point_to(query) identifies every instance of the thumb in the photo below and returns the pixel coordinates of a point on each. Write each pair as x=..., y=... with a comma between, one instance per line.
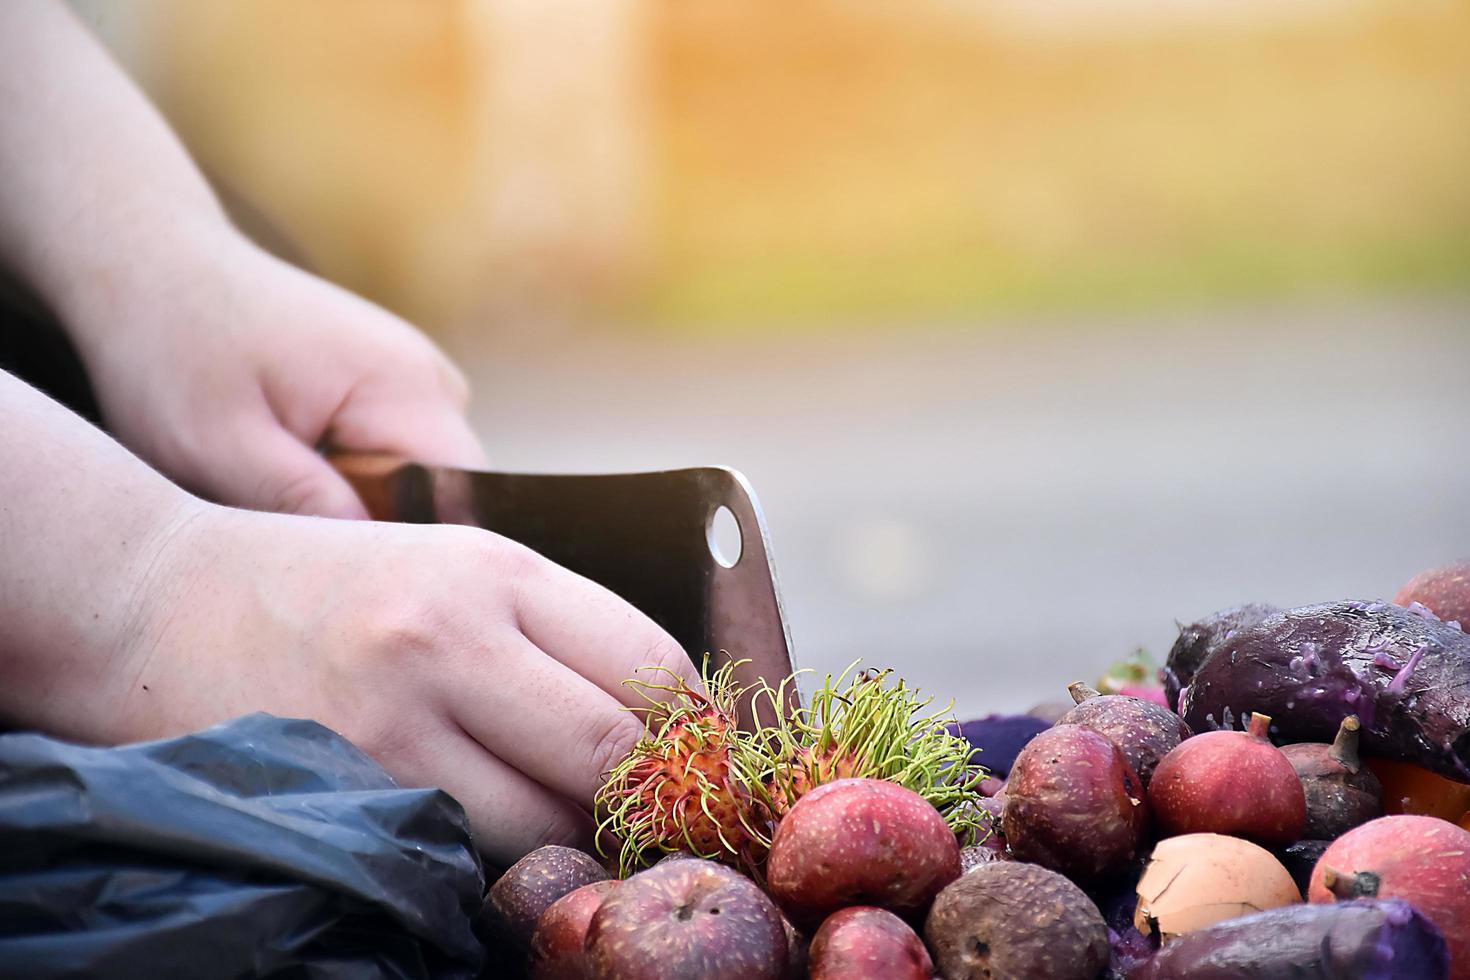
x=269, y=469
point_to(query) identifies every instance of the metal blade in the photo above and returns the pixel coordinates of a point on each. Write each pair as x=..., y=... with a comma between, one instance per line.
x=644, y=536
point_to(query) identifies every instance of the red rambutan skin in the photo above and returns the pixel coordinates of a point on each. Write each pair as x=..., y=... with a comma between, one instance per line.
x=687, y=798
x=1232, y=783
x=863, y=941
x=1424, y=860
x=860, y=842
x=810, y=768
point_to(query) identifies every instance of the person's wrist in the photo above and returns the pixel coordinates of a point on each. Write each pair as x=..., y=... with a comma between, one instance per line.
x=127, y=282
x=75, y=641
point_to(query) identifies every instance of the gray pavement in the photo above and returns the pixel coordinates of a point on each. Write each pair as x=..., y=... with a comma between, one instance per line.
x=997, y=509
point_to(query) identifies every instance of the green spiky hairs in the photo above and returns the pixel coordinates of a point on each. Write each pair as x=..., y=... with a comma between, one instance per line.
x=870, y=724
x=697, y=783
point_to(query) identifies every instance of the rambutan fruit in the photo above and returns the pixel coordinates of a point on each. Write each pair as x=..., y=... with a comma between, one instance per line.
x=698, y=784
x=684, y=786
x=806, y=768
x=867, y=724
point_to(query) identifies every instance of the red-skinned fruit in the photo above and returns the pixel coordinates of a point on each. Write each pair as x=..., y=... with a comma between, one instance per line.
x=1143, y=730
x=860, y=842
x=1424, y=860
x=691, y=918
x=558, y=946
x=1073, y=804
x=1232, y=783
x=1341, y=792
x=1443, y=591
x=528, y=888
x=1401, y=670
x=866, y=943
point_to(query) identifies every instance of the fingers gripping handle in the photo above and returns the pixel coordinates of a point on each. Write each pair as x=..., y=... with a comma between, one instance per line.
x=392, y=488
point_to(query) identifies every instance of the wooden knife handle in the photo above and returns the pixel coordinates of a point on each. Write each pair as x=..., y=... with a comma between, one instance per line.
x=391, y=487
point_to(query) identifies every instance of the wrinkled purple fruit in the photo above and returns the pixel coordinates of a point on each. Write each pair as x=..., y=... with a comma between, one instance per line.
x=1406, y=677
x=1198, y=640
x=1385, y=939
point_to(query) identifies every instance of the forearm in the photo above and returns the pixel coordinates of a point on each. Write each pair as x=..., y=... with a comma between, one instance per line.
x=95, y=186
x=84, y=526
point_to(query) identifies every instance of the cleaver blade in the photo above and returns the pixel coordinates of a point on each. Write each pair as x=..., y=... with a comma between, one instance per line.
x=644, y=536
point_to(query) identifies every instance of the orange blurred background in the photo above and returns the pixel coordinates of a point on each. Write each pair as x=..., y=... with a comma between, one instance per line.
x=729, y=164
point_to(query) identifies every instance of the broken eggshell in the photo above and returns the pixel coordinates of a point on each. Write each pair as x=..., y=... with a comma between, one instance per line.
x=1196, y=880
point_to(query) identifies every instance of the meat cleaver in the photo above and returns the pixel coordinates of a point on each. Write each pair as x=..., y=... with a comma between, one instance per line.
x=645, y=536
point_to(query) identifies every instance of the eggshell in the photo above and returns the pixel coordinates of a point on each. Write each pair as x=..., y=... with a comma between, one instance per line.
x=1196, y=880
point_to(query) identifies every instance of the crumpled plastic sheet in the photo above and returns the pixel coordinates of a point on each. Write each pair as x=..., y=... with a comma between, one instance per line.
x=263, y=847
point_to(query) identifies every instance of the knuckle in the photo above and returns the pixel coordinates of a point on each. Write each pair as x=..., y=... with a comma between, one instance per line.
x=604, y=740
x=296, y=495
x=407, y=630
x=518, y=570
x=427, y=367
x=453, y=383
x=489, y=553
x=390, y=747
x=562, y=828
x=665, y=653
x=512, y=559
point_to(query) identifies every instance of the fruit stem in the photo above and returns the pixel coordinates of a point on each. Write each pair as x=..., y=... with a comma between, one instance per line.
x=1260, y=725
x=1360, y=884
x=1345, y=745
x=1080, y=692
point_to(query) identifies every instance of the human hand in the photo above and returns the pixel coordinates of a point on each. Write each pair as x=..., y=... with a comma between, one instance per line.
x=220, y=365
x=453, y=656
x=132, y=610
x=456, y=658
x=227, y=368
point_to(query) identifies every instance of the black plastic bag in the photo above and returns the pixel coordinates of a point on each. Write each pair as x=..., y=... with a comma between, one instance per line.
x=261, y=847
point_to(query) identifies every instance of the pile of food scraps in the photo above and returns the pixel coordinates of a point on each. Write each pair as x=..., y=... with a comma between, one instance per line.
x=1287, y=797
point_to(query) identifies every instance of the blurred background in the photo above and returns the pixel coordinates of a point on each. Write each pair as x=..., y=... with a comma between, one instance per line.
x=1037, y=326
